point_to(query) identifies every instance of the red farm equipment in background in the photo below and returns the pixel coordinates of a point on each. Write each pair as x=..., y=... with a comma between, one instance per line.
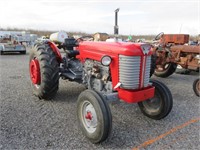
x=170, y=51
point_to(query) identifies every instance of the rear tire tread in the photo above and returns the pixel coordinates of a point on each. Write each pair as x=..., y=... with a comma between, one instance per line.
x=49, y=71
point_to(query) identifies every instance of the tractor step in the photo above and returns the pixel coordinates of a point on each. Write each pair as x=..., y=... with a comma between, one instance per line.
x=72, y=75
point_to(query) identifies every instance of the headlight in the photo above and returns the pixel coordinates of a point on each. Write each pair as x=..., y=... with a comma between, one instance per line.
x=106, y=60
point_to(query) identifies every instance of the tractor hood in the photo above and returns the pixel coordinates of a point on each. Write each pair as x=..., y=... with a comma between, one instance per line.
x=115, y=48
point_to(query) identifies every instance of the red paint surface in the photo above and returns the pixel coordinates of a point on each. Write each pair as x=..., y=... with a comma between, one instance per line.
x=134, y=96
x=35, y=71
x=96, y=50
x=88, y=116
x=56, y=51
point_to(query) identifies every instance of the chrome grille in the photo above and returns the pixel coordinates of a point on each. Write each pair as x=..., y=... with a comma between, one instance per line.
x=129, y=71
x=147, y=71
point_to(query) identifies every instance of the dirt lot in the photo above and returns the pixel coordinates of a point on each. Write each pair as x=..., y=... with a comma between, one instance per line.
x=29, y=123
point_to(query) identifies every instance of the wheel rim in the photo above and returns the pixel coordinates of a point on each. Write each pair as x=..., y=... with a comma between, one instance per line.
x=153, y=105
x=89, y=117
x=162, y=68
x=35, y=71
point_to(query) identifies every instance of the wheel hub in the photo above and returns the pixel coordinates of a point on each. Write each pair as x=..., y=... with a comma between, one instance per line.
x=35, y=71
x=89, y=117
x=153, y=105
x=162, y=67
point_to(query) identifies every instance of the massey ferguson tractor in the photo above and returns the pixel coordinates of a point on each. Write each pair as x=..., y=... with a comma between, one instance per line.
x=110, y=71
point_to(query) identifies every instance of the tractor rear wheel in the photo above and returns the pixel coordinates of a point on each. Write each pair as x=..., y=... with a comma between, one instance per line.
x=165, y=70
x=160, y=105
x=196, y=87
x=44, y=71
x=94, y=116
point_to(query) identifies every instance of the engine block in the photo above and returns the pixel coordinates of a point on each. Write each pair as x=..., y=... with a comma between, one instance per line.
x=96, y=76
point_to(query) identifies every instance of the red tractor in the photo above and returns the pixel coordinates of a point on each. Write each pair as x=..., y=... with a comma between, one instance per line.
x=109, y=70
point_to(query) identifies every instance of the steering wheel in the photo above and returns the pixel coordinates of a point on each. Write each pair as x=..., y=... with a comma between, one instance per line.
x=159, y=36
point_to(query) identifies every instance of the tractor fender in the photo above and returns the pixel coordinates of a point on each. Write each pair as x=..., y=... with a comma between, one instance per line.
x=56, y=51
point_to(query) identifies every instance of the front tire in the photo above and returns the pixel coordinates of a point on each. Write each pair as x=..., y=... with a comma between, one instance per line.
x=44, y=71
x=196, y=87
x=160, y=105
x=94, y=116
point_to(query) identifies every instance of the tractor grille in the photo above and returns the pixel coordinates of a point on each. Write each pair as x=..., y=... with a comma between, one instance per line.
x=147, y=71
x=129, y=71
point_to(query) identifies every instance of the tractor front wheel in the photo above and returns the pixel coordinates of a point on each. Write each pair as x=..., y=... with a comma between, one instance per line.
x=196, y=87
x=44, y=71
x=94, y=116
x=160, y=105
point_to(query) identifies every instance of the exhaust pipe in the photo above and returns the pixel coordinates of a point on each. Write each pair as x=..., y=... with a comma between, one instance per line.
x=116, y=28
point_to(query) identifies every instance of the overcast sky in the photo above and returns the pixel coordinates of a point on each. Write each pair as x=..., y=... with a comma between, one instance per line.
x=135, y=16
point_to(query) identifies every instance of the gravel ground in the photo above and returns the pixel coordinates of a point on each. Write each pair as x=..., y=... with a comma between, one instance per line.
x=29, y=123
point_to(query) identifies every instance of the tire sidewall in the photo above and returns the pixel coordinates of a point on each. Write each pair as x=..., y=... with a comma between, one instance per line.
x=195, y=87
x=166, y=101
